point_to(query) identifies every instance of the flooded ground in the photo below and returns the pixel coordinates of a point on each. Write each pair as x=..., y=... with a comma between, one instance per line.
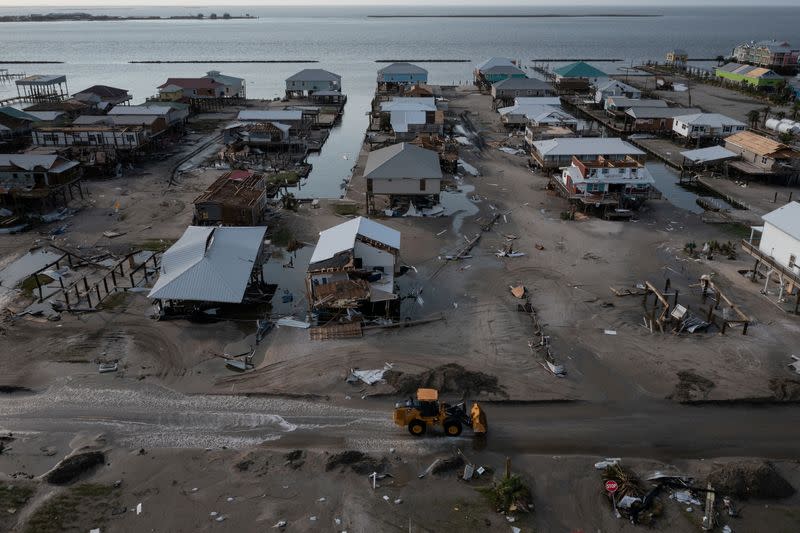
x=667, y=182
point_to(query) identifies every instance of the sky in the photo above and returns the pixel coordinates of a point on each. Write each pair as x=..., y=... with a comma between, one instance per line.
x=220, y=4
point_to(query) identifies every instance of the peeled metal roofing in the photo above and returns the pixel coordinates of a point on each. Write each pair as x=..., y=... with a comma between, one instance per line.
x=314, y=74
x=714, y=120
x=708, y=155
x=786, y=219
x=209, y=264
x=342, y=238
x=403, y=160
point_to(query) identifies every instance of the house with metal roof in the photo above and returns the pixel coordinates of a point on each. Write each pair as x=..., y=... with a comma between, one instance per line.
x=654, y=119
x=617, y=105
x=15, y=125
x=174, y=113
x=215, y=264
x=761, y=155
x=233, y=87
x=353, y=267
x=700, y=125
x=36, y=177
x=741, y=74
x=614, y=88
x=511, y=88
x=311, y=80
x=554, y=153
x=409, y=116
x=776, y=249
x=520, y=115
x=402, y=171
x=292, y=117
x=402, y=74
x=496, y=69
x=580, y=70
x=707, y=156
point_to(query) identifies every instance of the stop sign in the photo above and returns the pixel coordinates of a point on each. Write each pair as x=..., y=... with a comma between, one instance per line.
x=611, y=485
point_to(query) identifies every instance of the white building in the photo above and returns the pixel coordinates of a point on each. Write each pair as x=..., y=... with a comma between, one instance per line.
x=410, y=115
x=614, y=88
x=292, y=117
x=780, y=236
x=173, y=113
x=536, y=115
x=706, y=125
x=607, y=179
x=353, y=264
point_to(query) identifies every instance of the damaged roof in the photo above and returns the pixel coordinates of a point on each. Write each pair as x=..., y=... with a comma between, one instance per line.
x=209, y=264
x=342, y=238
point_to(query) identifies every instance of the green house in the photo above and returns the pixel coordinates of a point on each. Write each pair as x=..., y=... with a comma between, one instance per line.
x=502, y=72
x=758, y=77
x=580, y=69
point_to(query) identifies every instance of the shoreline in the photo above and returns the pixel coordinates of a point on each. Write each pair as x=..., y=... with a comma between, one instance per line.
x=519, y=16
x=85, y=17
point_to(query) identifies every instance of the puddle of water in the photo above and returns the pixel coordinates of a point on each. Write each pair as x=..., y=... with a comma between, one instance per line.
x=458, y=205
x=667, y=182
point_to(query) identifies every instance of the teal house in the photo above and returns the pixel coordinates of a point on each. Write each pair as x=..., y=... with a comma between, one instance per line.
x=497, y=69
x=580, y=70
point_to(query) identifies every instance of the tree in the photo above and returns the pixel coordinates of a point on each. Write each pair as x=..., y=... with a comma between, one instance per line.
x=212, y=16
x=200, y=15
x=780, y=115
x=720, y=60
x=766, y=115
x=752, y=117
x=226, y=15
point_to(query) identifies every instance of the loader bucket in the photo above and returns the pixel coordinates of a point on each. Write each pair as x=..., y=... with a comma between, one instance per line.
x=479, y=424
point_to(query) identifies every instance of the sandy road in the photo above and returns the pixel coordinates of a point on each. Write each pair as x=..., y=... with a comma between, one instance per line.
x=156, y=417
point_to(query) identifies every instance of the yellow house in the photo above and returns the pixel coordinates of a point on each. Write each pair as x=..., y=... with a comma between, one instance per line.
x=677, y=56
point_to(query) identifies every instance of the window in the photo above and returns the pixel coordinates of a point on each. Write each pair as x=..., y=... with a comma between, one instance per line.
x=421, y=185
x=764, y=160
x=792, y=260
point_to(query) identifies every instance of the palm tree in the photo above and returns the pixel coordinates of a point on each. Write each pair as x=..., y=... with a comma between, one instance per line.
x=780, y=115
x=720, y=60
x=795, y=110
x=752, y=117
x=766, y=115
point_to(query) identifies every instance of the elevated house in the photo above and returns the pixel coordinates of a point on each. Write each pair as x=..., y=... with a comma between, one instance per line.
x=43, y=87
x=776, y=248
x=212, y=265
x=521, y=115
x=496, y=69
x=237, y=198
x=153, y=125
x=174, y=114
x=29, y=180
x=295, y=118
x=654, y=119
x=555, y=153
x=401, y=74
x=15, y=126
x=187, y=89
x=748, y=75
x=271, y=137
x=605, y=182
x=53, y=110
x=706, y=125
x=353, y=269
x=405, y=174
x=677, y=57
x=507, y=90
x=616, y=106
x=771, y=54
x=409, y=116
x=310, y=80
x=103, y=97
x=578, y=77
x=610, y=88
x=762, y=156
x=232, y=87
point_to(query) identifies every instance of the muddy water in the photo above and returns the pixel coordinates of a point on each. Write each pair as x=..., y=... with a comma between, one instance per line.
x=667, y=182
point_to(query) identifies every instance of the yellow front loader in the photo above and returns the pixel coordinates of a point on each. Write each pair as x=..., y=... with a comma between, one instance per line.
x=426, y=411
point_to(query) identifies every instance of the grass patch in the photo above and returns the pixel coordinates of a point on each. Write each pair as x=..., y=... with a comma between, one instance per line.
x=155, y=245
x=740, y=231
x=345, y=209
x=288, y=177
x=84, y=505
x=12, y=499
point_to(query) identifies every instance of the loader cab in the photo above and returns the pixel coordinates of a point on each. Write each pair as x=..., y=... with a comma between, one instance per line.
x=427, y=402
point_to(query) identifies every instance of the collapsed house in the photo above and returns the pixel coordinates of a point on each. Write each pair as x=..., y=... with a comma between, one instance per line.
x=211, y=265
x=410, y=176
x=237, y=198
x=103, y=97
x=15, y=126
x=352, y=272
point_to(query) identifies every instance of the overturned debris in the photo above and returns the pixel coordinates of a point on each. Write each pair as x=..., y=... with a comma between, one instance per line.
x=73, y=467
x=750, y=479
x=449, y=378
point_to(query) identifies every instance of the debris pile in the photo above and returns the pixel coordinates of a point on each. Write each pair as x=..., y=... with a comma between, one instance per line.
x=449, y=378
x=750, y=479
x=691, y=387
x=359, y=462
x=508, y=495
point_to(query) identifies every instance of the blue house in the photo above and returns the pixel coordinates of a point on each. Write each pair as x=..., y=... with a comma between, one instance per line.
x=403, y=74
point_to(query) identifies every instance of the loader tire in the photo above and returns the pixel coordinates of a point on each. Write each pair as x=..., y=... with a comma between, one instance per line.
x=416, y=427
x=452, y=428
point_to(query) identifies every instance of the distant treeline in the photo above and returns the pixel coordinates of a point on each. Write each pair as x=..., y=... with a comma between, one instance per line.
x=423, y=60
x=155, y=61
x=55, y=17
